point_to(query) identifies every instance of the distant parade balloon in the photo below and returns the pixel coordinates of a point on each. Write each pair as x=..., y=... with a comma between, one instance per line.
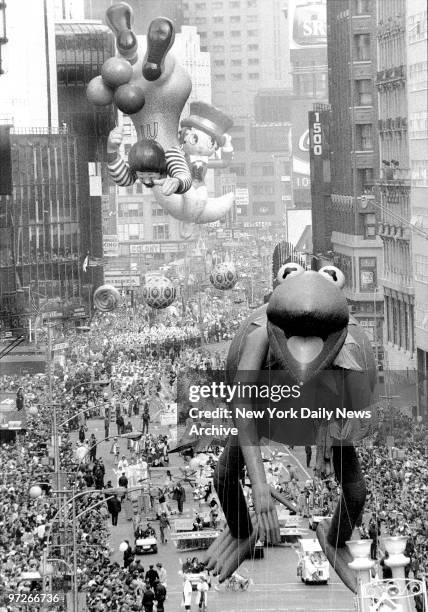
x=129, y=98
x=224, y=276
x=98, y=92
x=106, y=298
x=159, y=292
x=116, y=71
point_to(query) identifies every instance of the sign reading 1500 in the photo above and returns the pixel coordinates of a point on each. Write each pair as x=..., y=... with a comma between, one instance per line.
x=317, y=137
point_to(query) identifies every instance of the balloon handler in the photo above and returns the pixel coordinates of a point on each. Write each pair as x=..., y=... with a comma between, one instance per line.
x=305, y=334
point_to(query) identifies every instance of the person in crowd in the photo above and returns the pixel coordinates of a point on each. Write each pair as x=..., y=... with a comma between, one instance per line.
x=152, y=576
x=187, y=593
x=164, y=525
x=202, y=598
x=115, y=508
x=160, y=595
x=179, y=495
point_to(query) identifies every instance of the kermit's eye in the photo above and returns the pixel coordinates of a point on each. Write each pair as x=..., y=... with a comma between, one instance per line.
x=334, y=275
x=288, y=270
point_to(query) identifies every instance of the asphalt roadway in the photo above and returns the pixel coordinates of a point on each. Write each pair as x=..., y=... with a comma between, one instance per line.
x=275, y=586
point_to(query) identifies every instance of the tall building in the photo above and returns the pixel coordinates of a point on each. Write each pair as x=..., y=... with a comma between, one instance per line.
x=42, y=219
x=417, y=96
x=395, y=185
x=346, y=133
x=307, y=27
x=248, y=44
x=82, y=48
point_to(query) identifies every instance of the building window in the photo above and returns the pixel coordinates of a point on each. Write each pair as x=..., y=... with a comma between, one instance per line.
x=264, y=208
x=419, y=170
x=235, y=33
x=362, y=47
x=220, y=77
x=160, y=231
x=200, y=6
x=235, y=19
x=253, y=76
x=362, y=7
x=418, y=76
x=267, y=170
x=218, y=49
x=218, y=63
x=236, y=62
x=418, y=123
x=252, y=33
x=158, y=211
x=239, y=170
x=203, y=34
x=364, y=135
x=421, y=268
x=417, y=27
x=236, y=48
x=368, y=280
x=370, y=226
x=264, y=189
x=218, y=34
x=253, y=61
x=217, y=6
x=130, y=231
x=253, y=47
x=235, y=4
x=252, y=18
x=236, y=76
x=239, y=144
x=218, y=19
x=200, y=20
x=252, y=3
x=364, y=89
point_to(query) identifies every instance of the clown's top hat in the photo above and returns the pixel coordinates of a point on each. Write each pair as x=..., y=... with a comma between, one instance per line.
x=209, y=119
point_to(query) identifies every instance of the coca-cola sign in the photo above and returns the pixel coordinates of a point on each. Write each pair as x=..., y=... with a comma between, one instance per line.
x=307, y=23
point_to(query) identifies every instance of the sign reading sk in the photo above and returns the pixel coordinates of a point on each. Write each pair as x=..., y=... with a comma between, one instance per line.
x=307, y=23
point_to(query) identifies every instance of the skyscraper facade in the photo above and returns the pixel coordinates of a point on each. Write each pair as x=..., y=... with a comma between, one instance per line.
x=44, y=217
x=417, y=96
x=248, y=44
x=395, y=186
x=347, y=131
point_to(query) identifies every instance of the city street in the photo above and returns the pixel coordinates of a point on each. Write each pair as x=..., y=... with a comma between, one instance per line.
x=275, y=587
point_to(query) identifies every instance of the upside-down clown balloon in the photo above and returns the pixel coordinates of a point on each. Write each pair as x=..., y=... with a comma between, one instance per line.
x=147, y=82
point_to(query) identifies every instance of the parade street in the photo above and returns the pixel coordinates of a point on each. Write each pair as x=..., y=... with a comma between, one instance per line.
x=275, y=587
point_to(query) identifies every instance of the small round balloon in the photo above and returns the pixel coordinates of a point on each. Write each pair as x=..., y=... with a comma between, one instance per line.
x=224, y=276
x=129, y=98
x=106, y=298
x=98, y=92
x=159, y=292
x=116, y=71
